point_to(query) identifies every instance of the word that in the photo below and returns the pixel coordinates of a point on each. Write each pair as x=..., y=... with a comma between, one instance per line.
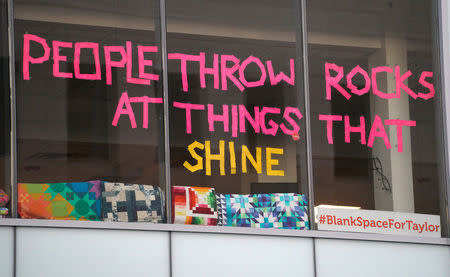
x=377, y=129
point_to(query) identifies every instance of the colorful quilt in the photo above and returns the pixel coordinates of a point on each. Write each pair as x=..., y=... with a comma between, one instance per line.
x=73, y=201
x=276, y=210
x=3, y=211
x=132, y=202
x=194, y=205
x=4, y=198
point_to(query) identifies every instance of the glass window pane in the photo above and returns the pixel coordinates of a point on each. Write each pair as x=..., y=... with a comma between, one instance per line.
x=89, y=100
x=5, y=180
x=375, y=115
x=236, y=110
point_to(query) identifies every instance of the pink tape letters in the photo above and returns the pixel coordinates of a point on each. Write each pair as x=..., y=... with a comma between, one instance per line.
x=335, y=82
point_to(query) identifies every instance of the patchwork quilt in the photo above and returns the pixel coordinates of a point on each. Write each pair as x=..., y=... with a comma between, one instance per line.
x=72, y=201
x=276, y=210
x=3, y=211
x=194, y=205
x=132, y=202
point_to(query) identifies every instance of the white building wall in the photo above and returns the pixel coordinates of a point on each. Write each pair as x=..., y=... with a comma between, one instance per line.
x=6, y=251
x=367, y=258
x=224, y=255
x=54, y=252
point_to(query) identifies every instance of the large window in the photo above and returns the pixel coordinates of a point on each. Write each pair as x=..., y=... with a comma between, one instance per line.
x=88, y=106
x=374, y=108
x=235, y=90
x=5, y=154
x=235, y=125
x=391, y=44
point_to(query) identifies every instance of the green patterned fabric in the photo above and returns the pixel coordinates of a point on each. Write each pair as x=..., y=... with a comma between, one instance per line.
x=76, y=201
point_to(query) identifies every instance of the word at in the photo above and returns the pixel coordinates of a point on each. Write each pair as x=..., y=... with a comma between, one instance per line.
x=126, y=101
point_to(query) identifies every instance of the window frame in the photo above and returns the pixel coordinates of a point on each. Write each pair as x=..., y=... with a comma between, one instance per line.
x=441, y=11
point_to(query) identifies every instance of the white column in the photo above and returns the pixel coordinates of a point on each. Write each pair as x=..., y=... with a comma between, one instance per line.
x=397, y=167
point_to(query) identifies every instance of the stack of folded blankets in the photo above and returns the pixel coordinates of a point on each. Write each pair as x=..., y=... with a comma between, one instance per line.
x=194, y=205
x=201, y=205
x=4, y=199
x=3, y=212
x=109, y=201
x=131, y=203
x=91, y=200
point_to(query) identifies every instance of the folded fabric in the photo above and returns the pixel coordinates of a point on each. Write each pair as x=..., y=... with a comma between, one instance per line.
x=73, y=201
x=132, y=202
x=4, y=199
x=194, y=205
x=3, y=211
x=277, y=210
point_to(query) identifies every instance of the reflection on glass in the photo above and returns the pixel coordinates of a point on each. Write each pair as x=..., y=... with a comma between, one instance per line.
x=5, y=180
x=372, y=68
x=236, y=115
x=89, y=109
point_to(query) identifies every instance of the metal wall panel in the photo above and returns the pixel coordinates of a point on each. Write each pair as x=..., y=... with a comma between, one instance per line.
x=7, y=251
x=240, y=255
x=362, y=258
x=53, y=252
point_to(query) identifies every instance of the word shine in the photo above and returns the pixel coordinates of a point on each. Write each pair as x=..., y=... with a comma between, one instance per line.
x=255, y=160
x=224, y=68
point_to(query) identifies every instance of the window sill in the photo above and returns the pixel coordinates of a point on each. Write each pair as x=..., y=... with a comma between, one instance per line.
x=219, y=230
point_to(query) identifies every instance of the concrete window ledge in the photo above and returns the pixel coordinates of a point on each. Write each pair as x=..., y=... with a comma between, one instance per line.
x=218, y=230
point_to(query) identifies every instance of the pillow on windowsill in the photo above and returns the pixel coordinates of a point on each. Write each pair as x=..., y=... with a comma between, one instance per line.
x=132, y=203
x=67, y=201
x=194, y=205
x=274, y=210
